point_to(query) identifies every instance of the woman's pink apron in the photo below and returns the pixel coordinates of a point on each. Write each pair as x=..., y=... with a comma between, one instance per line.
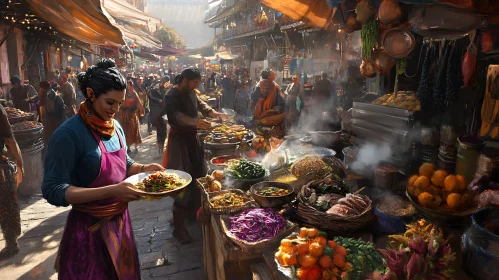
x=98, y=240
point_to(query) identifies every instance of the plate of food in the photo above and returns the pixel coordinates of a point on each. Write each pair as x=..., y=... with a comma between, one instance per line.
x=157, y=184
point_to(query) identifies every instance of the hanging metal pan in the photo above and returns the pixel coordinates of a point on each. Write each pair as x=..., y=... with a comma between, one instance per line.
x=398, y=42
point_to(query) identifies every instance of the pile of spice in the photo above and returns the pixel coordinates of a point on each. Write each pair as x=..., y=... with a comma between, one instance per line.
x=395, y=205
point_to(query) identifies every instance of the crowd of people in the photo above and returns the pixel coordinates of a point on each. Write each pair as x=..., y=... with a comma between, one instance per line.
x=88, y=148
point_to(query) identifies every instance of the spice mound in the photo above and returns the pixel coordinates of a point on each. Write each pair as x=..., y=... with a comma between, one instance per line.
x=254, y=225
x=227, y=200
x=26, y=125
x=273, y=191
x=310, y=164
x=160, y=182
x=395, y=205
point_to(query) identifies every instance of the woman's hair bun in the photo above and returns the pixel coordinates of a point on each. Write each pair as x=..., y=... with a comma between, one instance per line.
x=106, y=63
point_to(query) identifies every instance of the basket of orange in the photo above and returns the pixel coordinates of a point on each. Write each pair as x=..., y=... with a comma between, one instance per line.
x=308, y=254
x=439, y=196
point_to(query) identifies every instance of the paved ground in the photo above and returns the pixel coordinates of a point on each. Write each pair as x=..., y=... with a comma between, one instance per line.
x=162, y=257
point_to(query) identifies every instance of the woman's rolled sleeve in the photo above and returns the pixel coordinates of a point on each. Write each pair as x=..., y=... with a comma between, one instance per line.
x=60, y=160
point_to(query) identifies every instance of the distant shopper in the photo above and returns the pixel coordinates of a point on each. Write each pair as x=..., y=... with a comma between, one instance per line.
x=128, y=117
x=294, y=93
x=22, y=96
x=68, y=93
x=268, y=104
x=10, y=220
x=54, y=110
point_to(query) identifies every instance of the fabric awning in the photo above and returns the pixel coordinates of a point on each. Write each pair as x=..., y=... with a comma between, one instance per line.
x=166, y=51
x=230, y=10
x=222, y=55
x=311, y=12
x=138, y=36
x=148, y=56
x=123, y=10
x=84, y=20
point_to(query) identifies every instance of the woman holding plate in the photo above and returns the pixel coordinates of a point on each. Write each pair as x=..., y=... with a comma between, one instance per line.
x=85, y=166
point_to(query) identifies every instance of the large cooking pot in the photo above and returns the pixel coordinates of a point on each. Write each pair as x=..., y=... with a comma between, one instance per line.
x=480, y=246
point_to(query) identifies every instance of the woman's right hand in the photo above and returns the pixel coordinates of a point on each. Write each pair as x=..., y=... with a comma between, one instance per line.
x=126, y=192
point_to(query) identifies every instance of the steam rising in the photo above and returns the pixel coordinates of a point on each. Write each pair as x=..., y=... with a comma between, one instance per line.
x=316, y=118
x=369, y=156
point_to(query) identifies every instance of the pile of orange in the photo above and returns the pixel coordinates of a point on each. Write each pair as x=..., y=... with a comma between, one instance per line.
x=313, y=256
x=437, y=189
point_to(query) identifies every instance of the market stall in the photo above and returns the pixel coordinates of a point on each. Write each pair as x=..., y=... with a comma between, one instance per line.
x=407, y=190
x=28, y=134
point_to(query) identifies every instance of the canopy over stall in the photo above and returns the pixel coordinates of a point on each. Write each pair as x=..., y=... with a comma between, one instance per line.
x=312, y=13
x=84, y=20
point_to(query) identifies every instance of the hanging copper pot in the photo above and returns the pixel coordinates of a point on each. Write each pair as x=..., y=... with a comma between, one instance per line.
x=367, y=69
x=352, y=25
x=383, y=61
x=365, y=11
x=390, y=12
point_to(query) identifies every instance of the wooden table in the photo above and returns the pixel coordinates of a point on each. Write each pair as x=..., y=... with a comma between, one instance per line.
x=222, y=259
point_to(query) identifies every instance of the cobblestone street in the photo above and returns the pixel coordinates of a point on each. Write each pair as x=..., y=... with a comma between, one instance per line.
x=161, y=256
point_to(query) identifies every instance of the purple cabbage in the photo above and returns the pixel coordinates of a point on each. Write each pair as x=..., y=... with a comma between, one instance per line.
x=257, y=224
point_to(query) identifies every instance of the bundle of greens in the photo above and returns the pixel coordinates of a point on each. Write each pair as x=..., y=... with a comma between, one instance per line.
x=363, y=257
x=245, y=169
x=369, y=37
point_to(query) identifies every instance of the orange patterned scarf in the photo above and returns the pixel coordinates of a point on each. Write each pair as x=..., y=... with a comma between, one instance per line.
x=103, y=128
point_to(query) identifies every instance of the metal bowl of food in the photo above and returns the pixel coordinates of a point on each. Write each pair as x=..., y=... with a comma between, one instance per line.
x=229, y=112
x=153, y=184
x=272, y=194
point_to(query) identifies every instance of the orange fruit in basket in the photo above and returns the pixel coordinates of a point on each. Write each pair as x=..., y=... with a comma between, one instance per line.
x=413, y=190
x=453, y=200
x=426, y=199
x=451, y=184
x=413, y=179
x=422, y=182
x=427, y=169
x=439, y=177
x=461, y=182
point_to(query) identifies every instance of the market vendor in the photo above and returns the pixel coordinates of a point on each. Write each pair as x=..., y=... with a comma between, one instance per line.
x=183, y=151
x=11, y=173
x=85, y=166
x=22, y=96
x=268, y=104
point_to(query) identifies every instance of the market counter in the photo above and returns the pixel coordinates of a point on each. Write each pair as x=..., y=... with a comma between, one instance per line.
x=222, y=259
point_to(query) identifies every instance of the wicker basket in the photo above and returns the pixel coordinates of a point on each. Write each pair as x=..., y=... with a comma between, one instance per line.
x=256, y=247
x=249, y=202
x=444, y=218
x=333, y=224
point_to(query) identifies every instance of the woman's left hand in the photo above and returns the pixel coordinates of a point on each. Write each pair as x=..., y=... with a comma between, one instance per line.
x=153, y=167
